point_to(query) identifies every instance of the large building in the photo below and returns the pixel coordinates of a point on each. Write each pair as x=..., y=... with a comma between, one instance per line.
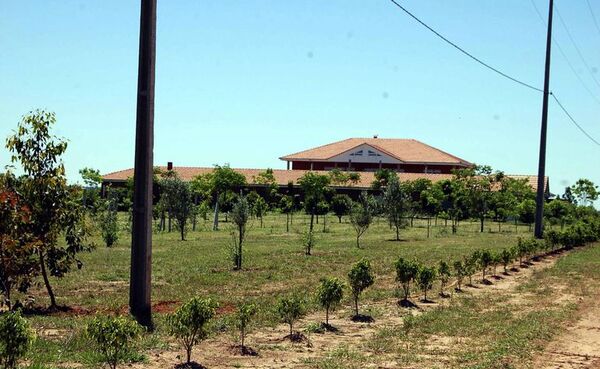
x=410, y=158
x=371, y=154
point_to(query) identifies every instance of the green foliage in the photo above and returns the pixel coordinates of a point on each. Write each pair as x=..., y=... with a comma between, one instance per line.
x=113, y=337
x=396, y=204
x=406, y=272
x=309, y=241
x=485, y=261
x=506, y=257
x=585, y=191
x=341, y=205
x=289, y=309
x=360, y=278
x=16, y=338
x=55, y=208
x=329, y=294
x=315, y=188
x=460, y=272
x=425, y=279
x=343, y=178
x=382, y=178
x=444, y=274
x=361, y=215
x=176, y=199
x=188, y=323
x=109, y=227
x=259, y=208
x=243, y=317
x=240, y=213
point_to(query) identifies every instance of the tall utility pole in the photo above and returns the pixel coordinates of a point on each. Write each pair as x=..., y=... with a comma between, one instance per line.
x=541, y=184
x=141, y=237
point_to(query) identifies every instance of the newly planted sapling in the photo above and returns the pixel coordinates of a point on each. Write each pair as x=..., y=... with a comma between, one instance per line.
x=243, y=318
x=406, y=272
x=188, y=323
x=460, y=272
x=360, y=277
x=485, y=260
x=329, y=295
x=425, y=279
x=444, y=273
x=289, y=309
x=506, y=256
x=113, y=338
x=16, y=338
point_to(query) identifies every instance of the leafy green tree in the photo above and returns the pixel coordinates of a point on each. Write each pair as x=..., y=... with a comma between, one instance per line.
x=91, y=192
x=55, y=207
x=454, y=203
x=18, y=266
x=506, y=256
x=341, y=204
x=16, y=338
x=406, y=272
x=569, y=197
x=444, y=274
x=289, y=309
x=218, y=185
x=485, y=261
x=425, y=279
x=343, y=178
x=329, y=295
x=113, y=338
x=315, y=188
x=396, y=204
x=260, y=208
x=322, y=209
x=558, y=211
x=382, y=178
x=309, y=242
x=361, y=215
x=239, y=216
x=471, y=263
x=243, y=317
x=479, y=183
x=177, y=199
x=414, y=192
x=188, y=323
x=526, y=211
x=360, y=277
x=267, y=179
x=585, y=191
x=286, y=204
x=109, y=225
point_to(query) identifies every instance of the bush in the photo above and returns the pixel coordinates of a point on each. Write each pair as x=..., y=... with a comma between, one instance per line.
x=506, y=257
x=444, y=275
x=425, y=279
x=460, y=272
x=470, y=265
x=289, y=309
x=243, y=316
x=113, y=337
x=329, y=294
x=15, y=338
x=485, y=260
x=406, y=271
x=361, y=278
x=109, y=227
x=309, y=241
x=188, y=323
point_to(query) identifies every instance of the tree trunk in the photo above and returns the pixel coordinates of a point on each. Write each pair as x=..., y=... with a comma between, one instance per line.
x=356, y=305
x=358, y=241
x=169, y=223
x=188, y=352
x=428, y=226
x=287, y=223
x=340, y=218
x=327, y=315
x=312, y=217
x=324, y=222
x=47, y=281
x=397, y=233
x=182, y=229
x=240, y=241
x=216, y=215
x=481, y=220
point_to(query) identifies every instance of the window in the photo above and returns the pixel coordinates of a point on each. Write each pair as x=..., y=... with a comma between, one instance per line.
x=357, y=153
x=373, y=153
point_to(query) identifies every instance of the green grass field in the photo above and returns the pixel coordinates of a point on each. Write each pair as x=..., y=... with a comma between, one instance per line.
x=274, y=264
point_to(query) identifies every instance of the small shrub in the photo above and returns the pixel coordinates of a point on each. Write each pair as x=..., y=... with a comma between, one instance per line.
x=309, y=241
x=16, y=338
x=329, y=294
x=470, y=264
x=406, y=271
x=425, y=279
x=506, y=257
x=113, y=337
x=485, y=261
x=289, y=309
x=109, y=227
x=460, y=272
x=361, y=278
x=444, y=273
x=243, y=317
x=188, y=323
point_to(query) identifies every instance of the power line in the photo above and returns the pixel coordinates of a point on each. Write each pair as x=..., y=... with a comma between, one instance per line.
x=576, y=47
x=562, y=52
x=464, y=51
x=593, y=16
x=573, y=120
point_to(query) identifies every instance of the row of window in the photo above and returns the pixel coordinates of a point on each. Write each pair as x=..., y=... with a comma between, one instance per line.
x=361, y=152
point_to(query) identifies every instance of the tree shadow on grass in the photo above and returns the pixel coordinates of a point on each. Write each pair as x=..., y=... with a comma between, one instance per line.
x=56, y=310
x=427, y=301
x=192, y=365
x=514, y=270
x=487, y=282
x=405, y=303
x=329, y=328
x=497, y=277
x=243, y=350
x=360, y=318
x=296, y=337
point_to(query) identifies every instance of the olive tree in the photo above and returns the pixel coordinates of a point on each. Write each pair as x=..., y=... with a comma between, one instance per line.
x=425, y=279
x=341, y=204
x=243, y=316
x=396, y=204
x=360, y=278
x=444, y=274
x=460, y=272
x=329, y=295
x=315, y=188
x=177, y=199
x=188, y=323
x=289, y=309
x=239, y=216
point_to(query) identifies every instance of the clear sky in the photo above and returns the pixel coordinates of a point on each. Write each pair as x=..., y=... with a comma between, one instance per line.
x=245, y=82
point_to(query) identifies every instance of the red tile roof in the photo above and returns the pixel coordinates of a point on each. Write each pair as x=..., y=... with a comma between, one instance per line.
x=405, y=150
x=283, y=177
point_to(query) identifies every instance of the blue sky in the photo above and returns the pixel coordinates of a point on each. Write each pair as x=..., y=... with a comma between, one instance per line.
x=245, y=82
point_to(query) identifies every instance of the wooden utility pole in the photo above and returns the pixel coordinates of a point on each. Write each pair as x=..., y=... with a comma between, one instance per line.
x=541, y=183
x=141, y=237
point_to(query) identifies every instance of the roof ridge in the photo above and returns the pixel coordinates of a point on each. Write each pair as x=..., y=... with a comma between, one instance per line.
x=321, y=146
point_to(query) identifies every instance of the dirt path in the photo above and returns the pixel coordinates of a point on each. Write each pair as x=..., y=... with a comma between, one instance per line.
x=275, y=352
x=579, y=346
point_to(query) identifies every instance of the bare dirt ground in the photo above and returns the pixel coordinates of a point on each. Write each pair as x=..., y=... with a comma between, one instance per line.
x=578, y=347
